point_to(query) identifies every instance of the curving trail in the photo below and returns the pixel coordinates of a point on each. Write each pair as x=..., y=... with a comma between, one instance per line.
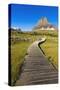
x=36, y=68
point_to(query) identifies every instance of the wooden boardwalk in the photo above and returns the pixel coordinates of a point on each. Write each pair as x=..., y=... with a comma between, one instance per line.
x=36, y=68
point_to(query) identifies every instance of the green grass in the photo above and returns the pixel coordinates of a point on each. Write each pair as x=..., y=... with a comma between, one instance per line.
x=50, y=48
x=19, y=49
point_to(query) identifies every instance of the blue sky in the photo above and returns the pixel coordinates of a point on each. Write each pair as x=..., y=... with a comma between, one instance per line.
x=27, y=16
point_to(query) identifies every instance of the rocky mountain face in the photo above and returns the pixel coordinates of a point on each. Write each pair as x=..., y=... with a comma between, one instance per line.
x=43, y=24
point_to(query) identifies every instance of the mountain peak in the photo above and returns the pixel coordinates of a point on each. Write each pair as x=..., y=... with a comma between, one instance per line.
x=44, y=24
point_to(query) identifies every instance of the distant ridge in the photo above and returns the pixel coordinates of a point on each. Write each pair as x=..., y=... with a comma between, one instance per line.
x=15, y=29
x=44, y=24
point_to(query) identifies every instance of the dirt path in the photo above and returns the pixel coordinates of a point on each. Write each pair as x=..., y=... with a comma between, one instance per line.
x=36, y=68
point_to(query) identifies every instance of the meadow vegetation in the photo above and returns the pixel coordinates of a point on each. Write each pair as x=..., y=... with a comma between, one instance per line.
x=20, y=41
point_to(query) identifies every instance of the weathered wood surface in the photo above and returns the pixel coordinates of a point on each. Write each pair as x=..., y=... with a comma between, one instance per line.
x=36, y=68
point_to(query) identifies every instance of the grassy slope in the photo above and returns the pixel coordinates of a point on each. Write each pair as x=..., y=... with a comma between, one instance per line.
x=18, y=51
x=50, y=47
